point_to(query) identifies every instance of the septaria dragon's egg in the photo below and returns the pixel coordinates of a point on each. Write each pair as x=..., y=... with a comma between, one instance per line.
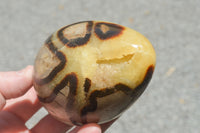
x=92, y=71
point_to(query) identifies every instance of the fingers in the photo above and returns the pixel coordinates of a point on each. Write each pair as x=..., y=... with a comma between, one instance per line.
x=93, y=128
x=9, y=123
x=105, y=126
x=24, y=107
x=15, y=84
x=50, y=125
x=88, y=128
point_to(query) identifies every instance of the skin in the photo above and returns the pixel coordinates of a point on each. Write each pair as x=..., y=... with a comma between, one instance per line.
x=18, y=102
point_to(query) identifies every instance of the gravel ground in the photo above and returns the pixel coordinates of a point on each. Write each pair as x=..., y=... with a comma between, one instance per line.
x=171, y=103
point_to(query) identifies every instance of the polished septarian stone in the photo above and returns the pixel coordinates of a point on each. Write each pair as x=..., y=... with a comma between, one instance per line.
x=92, y=71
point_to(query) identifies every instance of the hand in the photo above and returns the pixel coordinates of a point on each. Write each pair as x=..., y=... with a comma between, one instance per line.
x=18, y=102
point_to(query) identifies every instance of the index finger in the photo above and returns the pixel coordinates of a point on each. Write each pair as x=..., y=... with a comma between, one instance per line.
x=14, y=84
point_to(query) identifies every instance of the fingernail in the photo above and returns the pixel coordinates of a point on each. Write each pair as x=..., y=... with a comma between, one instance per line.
x=93, y=129
x=20, y=72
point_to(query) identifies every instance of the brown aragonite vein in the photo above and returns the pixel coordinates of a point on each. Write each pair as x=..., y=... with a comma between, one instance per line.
x=58, y=68
x=70, y=79
x=134, y=93
x=106, y=31
x=79, y=41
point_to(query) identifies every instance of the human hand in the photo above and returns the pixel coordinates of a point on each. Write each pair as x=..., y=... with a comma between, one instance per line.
x=18, y=102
